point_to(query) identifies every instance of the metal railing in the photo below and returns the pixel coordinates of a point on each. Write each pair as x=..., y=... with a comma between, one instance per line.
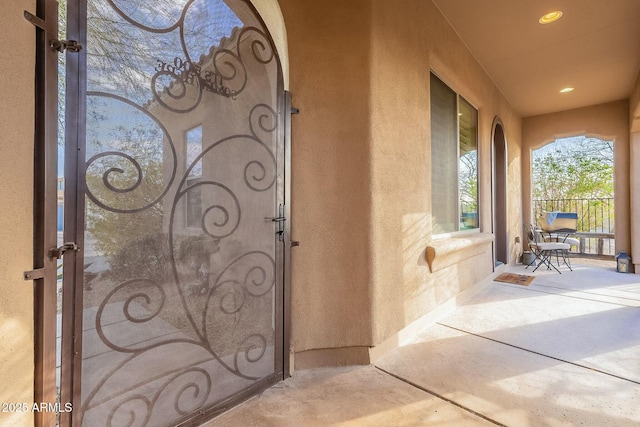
x=595, y=229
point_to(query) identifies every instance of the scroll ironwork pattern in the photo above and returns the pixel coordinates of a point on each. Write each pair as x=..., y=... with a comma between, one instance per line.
x=129, y=390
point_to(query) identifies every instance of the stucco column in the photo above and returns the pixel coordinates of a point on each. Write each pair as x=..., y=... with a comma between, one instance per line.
x=16, y=222
x=526, y=186
x=634, y=182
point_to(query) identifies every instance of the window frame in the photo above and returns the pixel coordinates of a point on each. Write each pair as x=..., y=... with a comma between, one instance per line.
x=458, y=211
x=193, y=179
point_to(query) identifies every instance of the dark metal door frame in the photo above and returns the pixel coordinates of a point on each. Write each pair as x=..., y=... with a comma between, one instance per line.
x=75, y=131
x=73, y=263
x=45, y=207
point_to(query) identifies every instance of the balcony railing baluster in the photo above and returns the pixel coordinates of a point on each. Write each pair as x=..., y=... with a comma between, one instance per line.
x=594, y=223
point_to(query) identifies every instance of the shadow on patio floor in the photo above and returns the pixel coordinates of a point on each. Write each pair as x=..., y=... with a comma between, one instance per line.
x=563, y=351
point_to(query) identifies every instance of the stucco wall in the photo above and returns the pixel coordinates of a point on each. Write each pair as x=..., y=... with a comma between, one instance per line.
x=359, y=72
x=634, y=172
x=16, y=194
x=608, y=121
x=408, y=41
x=331, y=197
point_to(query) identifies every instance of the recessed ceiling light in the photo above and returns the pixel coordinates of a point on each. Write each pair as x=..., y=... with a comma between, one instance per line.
x=567, y=90
x=550, y=17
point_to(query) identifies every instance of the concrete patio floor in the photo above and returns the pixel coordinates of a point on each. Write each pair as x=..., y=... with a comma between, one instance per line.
x=563, y=351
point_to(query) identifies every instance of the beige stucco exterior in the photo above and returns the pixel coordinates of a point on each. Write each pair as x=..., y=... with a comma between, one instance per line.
x=634, y=172
x=361, y=204
x=407, y=43
x=329, y=45
x=16, y=175
x=361, y=167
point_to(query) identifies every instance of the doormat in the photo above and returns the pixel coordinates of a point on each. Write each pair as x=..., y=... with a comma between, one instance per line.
x=516, y=279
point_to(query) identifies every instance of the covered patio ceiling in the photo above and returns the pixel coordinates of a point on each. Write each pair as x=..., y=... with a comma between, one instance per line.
x=594, y=47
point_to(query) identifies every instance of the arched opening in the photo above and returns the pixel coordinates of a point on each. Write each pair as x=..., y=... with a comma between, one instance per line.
x=499, y=193
x=576, y=174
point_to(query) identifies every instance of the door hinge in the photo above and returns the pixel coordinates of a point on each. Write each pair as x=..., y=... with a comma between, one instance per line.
x=59, y=45
x=37, y=21
x=34, y=274
x=62, y=45
x=56, y=253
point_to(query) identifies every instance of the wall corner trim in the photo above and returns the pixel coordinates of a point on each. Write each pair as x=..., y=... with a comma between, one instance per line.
x=446, y=252
x=332, y=357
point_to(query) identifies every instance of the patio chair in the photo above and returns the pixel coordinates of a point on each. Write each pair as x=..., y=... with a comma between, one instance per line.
x=558, y=227
x=544, y=250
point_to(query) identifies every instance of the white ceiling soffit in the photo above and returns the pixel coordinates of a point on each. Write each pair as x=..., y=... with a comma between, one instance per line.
x=594, y=47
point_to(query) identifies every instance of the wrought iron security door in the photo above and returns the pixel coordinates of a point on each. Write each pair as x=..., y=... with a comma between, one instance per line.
x=178, y=285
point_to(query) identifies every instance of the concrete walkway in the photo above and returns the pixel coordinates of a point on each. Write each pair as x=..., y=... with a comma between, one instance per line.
x=563, y=351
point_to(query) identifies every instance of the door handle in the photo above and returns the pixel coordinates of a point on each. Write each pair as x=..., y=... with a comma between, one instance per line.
x=56, y=253
x=280, y=219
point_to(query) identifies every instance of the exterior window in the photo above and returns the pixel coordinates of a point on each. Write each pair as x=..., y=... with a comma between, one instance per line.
x=454, y=160
x=194, y=149
x=193, y=144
